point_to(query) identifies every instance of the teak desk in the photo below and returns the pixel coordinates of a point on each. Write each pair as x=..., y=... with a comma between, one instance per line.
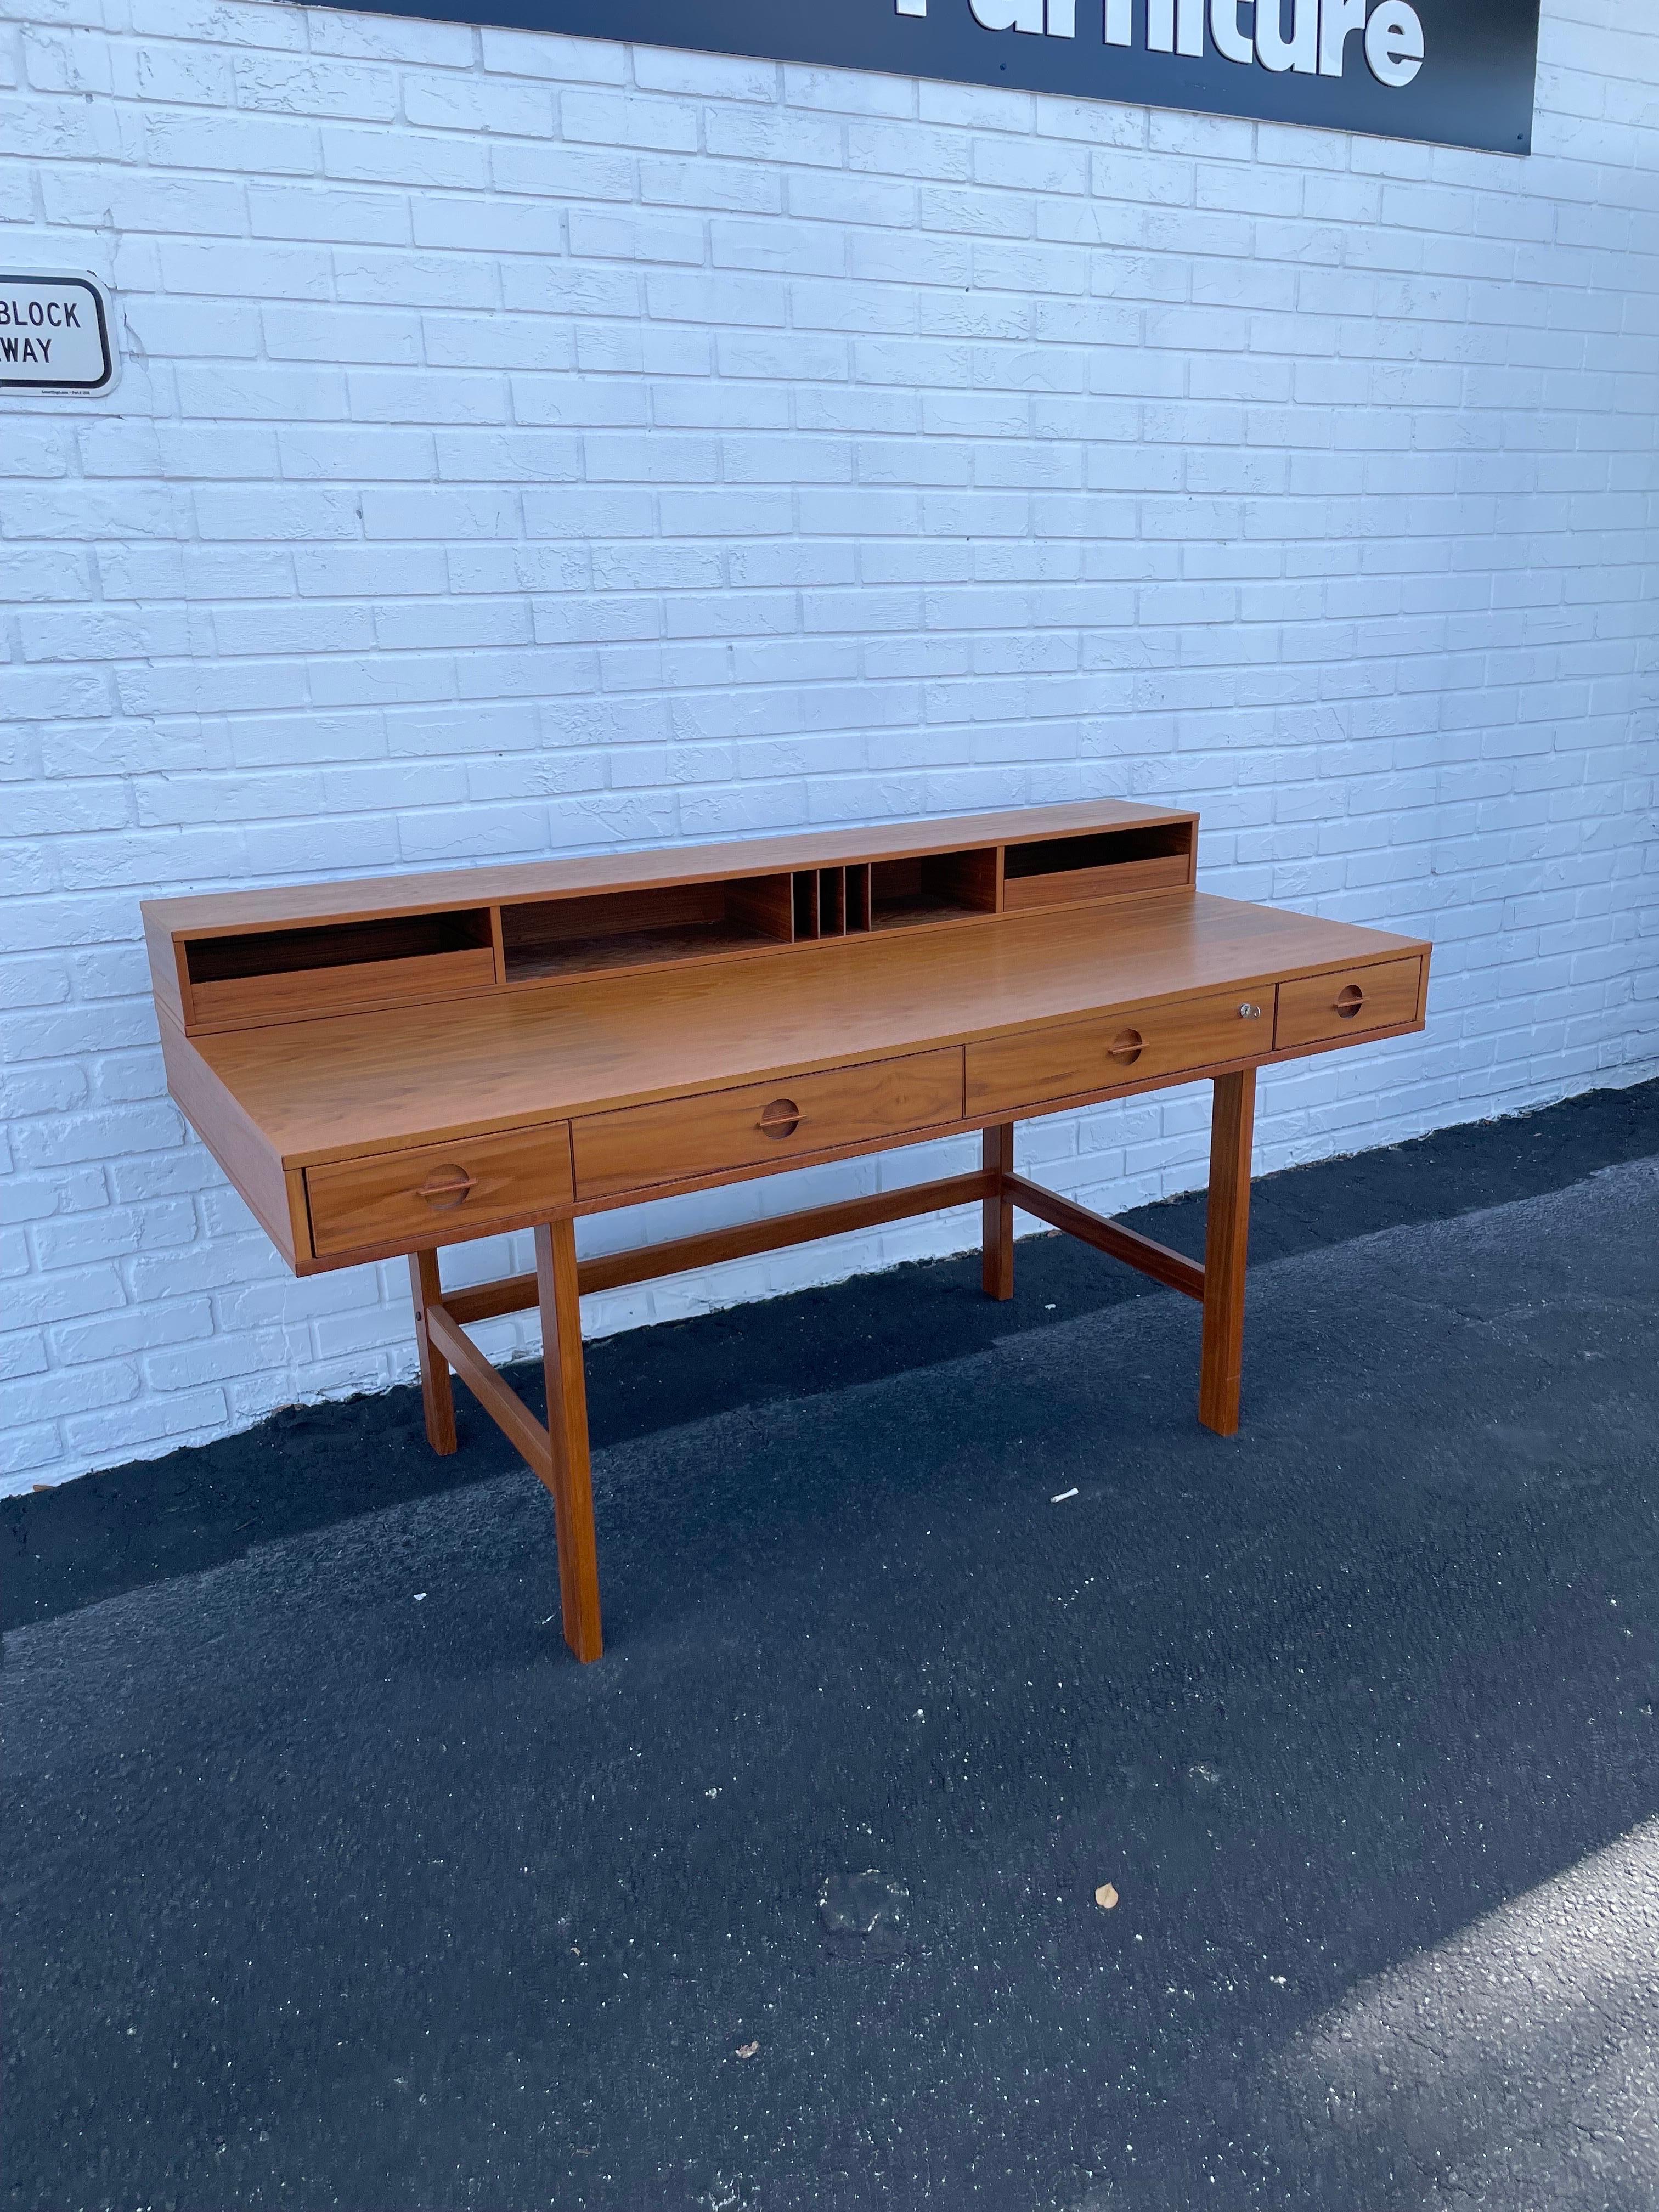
x=396, y=1065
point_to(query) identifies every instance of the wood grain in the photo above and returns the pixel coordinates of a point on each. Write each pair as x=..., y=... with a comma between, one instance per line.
x=373, y=1082
x=496, y=1395
x=437, y=1399
x=1226, y=1241
x=1347, y=1003
x=768, y=1123
x=168, y=978
x=438, y=1193
x=313, y=993
x=567, y=1419
x=997, y=1219
x=1153, y=1259
x=1037, y=1067
x=1070, y=886
x=610, y=1270
x=236, y=1140
x=282, y=906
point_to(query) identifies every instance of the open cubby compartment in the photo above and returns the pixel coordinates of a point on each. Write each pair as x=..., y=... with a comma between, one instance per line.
x=932, y=887
x=336, y=968
x=647, y=928
x=1106, y=864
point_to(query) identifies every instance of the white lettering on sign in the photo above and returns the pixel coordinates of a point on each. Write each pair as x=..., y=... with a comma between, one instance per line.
x=54, y=333
x=1394, y=42
x=1392, y=34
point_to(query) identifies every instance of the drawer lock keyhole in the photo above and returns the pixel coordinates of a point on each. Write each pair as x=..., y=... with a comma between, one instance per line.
x=447, y=1187
x=1125, y=1047
x=780, y=1119
x=1349, y=1000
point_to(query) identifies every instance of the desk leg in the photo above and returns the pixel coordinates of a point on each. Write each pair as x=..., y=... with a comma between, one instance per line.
x=997, y=1270
x=1232, y=1126
x=567, y=1429
x=435, y=1393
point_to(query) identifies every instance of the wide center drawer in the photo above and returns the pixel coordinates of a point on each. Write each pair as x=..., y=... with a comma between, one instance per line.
x=439, y=1193
x=1077, y=1057
x=764, y=1123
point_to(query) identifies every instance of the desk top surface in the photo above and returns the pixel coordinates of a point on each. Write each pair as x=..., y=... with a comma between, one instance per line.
x=337, y=1088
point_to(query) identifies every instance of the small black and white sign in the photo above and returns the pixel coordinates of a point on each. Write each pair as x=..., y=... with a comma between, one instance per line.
x=1460, y=72
x=54, y=333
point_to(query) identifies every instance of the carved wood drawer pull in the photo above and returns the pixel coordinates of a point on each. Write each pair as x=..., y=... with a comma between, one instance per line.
x=780, y=1119
x=1127, y=1046
x=447, y=1187
x=1349, y=1000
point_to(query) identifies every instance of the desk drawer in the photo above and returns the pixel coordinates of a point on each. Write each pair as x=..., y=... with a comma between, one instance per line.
x=768, y=1123
x=1320, y=1007
x=439, y=1193
x=1005, y=1073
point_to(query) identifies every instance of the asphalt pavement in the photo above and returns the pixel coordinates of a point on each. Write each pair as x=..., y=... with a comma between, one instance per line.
x=331, y=1880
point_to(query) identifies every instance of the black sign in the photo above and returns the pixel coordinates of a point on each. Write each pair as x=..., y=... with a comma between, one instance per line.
x=1458, y=72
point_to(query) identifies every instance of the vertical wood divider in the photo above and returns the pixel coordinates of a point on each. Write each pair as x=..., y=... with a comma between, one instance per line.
x=858, y=895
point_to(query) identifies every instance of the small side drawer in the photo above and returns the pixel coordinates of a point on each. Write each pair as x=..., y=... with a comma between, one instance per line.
x=439, y=1193
x=1318, y=1008
x=764, y=1123
x=1009, y=1073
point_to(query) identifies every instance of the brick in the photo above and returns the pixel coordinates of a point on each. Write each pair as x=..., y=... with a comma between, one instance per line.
x=433, y=396
x=494, y=107
x=240, y=142
x=498, y=342
x=66, y=60
x=706, y=184
x=607, y=118
x=565, y=173
x=190, y=76
x=565, y=61
x=425, y=160
x=176, y=1418
x=383, y=38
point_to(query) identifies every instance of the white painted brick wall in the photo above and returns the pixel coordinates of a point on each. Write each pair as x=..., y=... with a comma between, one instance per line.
x=532, y=446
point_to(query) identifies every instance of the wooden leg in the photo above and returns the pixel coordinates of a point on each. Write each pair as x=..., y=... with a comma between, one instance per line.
x=998, y=1268
x=435, y=1393
x=1232, y=1126
x=567, y=1428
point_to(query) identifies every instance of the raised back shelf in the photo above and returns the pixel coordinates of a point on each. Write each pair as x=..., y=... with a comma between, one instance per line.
x=307, y=951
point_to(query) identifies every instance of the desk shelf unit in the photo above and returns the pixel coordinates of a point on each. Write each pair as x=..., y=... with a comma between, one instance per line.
x=282, y=957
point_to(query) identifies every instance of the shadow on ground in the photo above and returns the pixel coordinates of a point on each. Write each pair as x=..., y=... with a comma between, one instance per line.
x=334, y=1882
x=314, y=1466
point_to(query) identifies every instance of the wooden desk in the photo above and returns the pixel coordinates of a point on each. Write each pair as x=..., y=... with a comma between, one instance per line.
x=388, y=1067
